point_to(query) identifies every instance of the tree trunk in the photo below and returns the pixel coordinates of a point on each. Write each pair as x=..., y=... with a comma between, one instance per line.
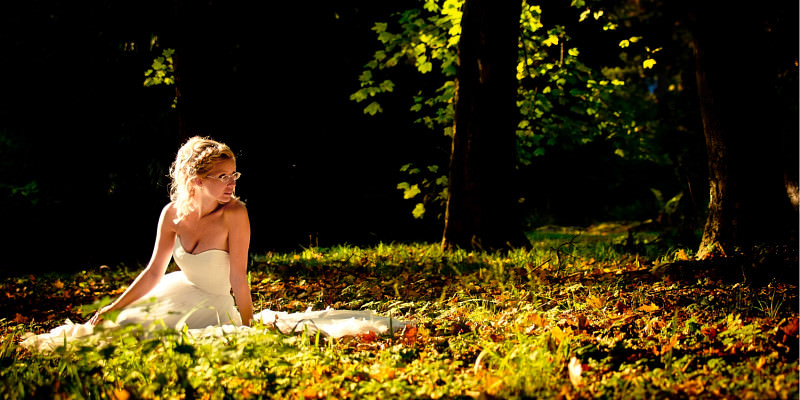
x=736, y=82
x=481, y=207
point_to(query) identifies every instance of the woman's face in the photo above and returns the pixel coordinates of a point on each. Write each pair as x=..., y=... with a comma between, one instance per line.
x=219, y=183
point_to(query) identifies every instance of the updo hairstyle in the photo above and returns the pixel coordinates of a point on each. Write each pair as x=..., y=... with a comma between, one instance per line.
x=195, y=159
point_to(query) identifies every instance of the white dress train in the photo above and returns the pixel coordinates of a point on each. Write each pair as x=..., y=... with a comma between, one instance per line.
x=199, y=298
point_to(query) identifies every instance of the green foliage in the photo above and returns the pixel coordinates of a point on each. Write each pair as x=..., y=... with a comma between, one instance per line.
x=431, y=184
x=562, y=101
x=424, y=40
x=162, y=72
x=576, y=316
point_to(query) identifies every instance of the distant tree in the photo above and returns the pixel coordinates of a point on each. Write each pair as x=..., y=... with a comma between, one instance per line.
x=557, y=101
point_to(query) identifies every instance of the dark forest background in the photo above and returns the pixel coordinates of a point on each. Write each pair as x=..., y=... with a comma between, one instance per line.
x=85, y=147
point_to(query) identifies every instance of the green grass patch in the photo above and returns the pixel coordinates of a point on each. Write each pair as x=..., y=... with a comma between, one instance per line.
x=580, y=315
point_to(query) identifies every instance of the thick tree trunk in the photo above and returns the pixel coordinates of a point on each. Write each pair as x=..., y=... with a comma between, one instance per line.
x=481, y=208
x=736, y=83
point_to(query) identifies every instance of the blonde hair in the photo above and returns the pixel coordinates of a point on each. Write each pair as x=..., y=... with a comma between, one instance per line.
x=195, y=158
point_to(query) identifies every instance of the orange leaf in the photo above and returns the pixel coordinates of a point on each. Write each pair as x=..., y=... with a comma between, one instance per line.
x=649, y=308
x=790, y=330
x=120, y=394
x=791, y=327
x=711, y=332
x=310, y=393
x=368, y=337
x=538, y=320
x=410, y=334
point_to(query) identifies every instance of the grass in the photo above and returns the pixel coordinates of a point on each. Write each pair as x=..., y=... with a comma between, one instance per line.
x=577, y=316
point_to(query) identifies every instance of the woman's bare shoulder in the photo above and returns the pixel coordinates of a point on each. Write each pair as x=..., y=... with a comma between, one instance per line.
x=235, y=210
x=169, y=214
x=235, y=205
x=169, y=210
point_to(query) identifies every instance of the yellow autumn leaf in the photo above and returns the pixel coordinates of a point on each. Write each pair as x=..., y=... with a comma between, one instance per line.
x=649, y=308
x=649, y=63
x=383, y=374
x=560, y=334
x=595, y=302
x=552, y=40
x=537, y=320
x=681, y=255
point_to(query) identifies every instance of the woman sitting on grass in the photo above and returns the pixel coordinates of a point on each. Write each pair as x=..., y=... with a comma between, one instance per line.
x=206, y=229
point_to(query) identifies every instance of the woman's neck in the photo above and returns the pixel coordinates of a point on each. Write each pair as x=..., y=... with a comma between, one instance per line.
x=207, y=206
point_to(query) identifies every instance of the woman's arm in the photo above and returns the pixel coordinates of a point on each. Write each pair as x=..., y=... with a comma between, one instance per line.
x=239, y=246
x=151, y=275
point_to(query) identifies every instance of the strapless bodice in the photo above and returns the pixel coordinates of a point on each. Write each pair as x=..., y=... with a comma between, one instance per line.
x=208, y=270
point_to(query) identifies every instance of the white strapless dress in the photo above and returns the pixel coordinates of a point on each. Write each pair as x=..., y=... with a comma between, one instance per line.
x=198, y=297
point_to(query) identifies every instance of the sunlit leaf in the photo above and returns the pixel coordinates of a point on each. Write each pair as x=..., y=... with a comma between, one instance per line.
x=373, y=108
x=550, y=41
x=411, y=191
x=419, y=211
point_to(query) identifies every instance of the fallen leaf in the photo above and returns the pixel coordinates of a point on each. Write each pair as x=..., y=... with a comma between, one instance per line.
x=310, y=393
x=790, y=329
x=558, y=334
x=368, y=337
x=595, y=302
x=649, y=308
x=537, y=320
x=710, y=332
x=384, y=374
x=120, y=394
x=410, y=334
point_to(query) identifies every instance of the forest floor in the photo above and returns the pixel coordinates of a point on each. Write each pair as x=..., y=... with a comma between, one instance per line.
x=585, y=313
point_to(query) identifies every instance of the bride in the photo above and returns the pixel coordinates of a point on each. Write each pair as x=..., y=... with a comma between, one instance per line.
x=206, y=229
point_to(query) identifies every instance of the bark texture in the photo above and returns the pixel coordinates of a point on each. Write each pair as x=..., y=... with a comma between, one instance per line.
x=481, y=206
x=745, y=126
